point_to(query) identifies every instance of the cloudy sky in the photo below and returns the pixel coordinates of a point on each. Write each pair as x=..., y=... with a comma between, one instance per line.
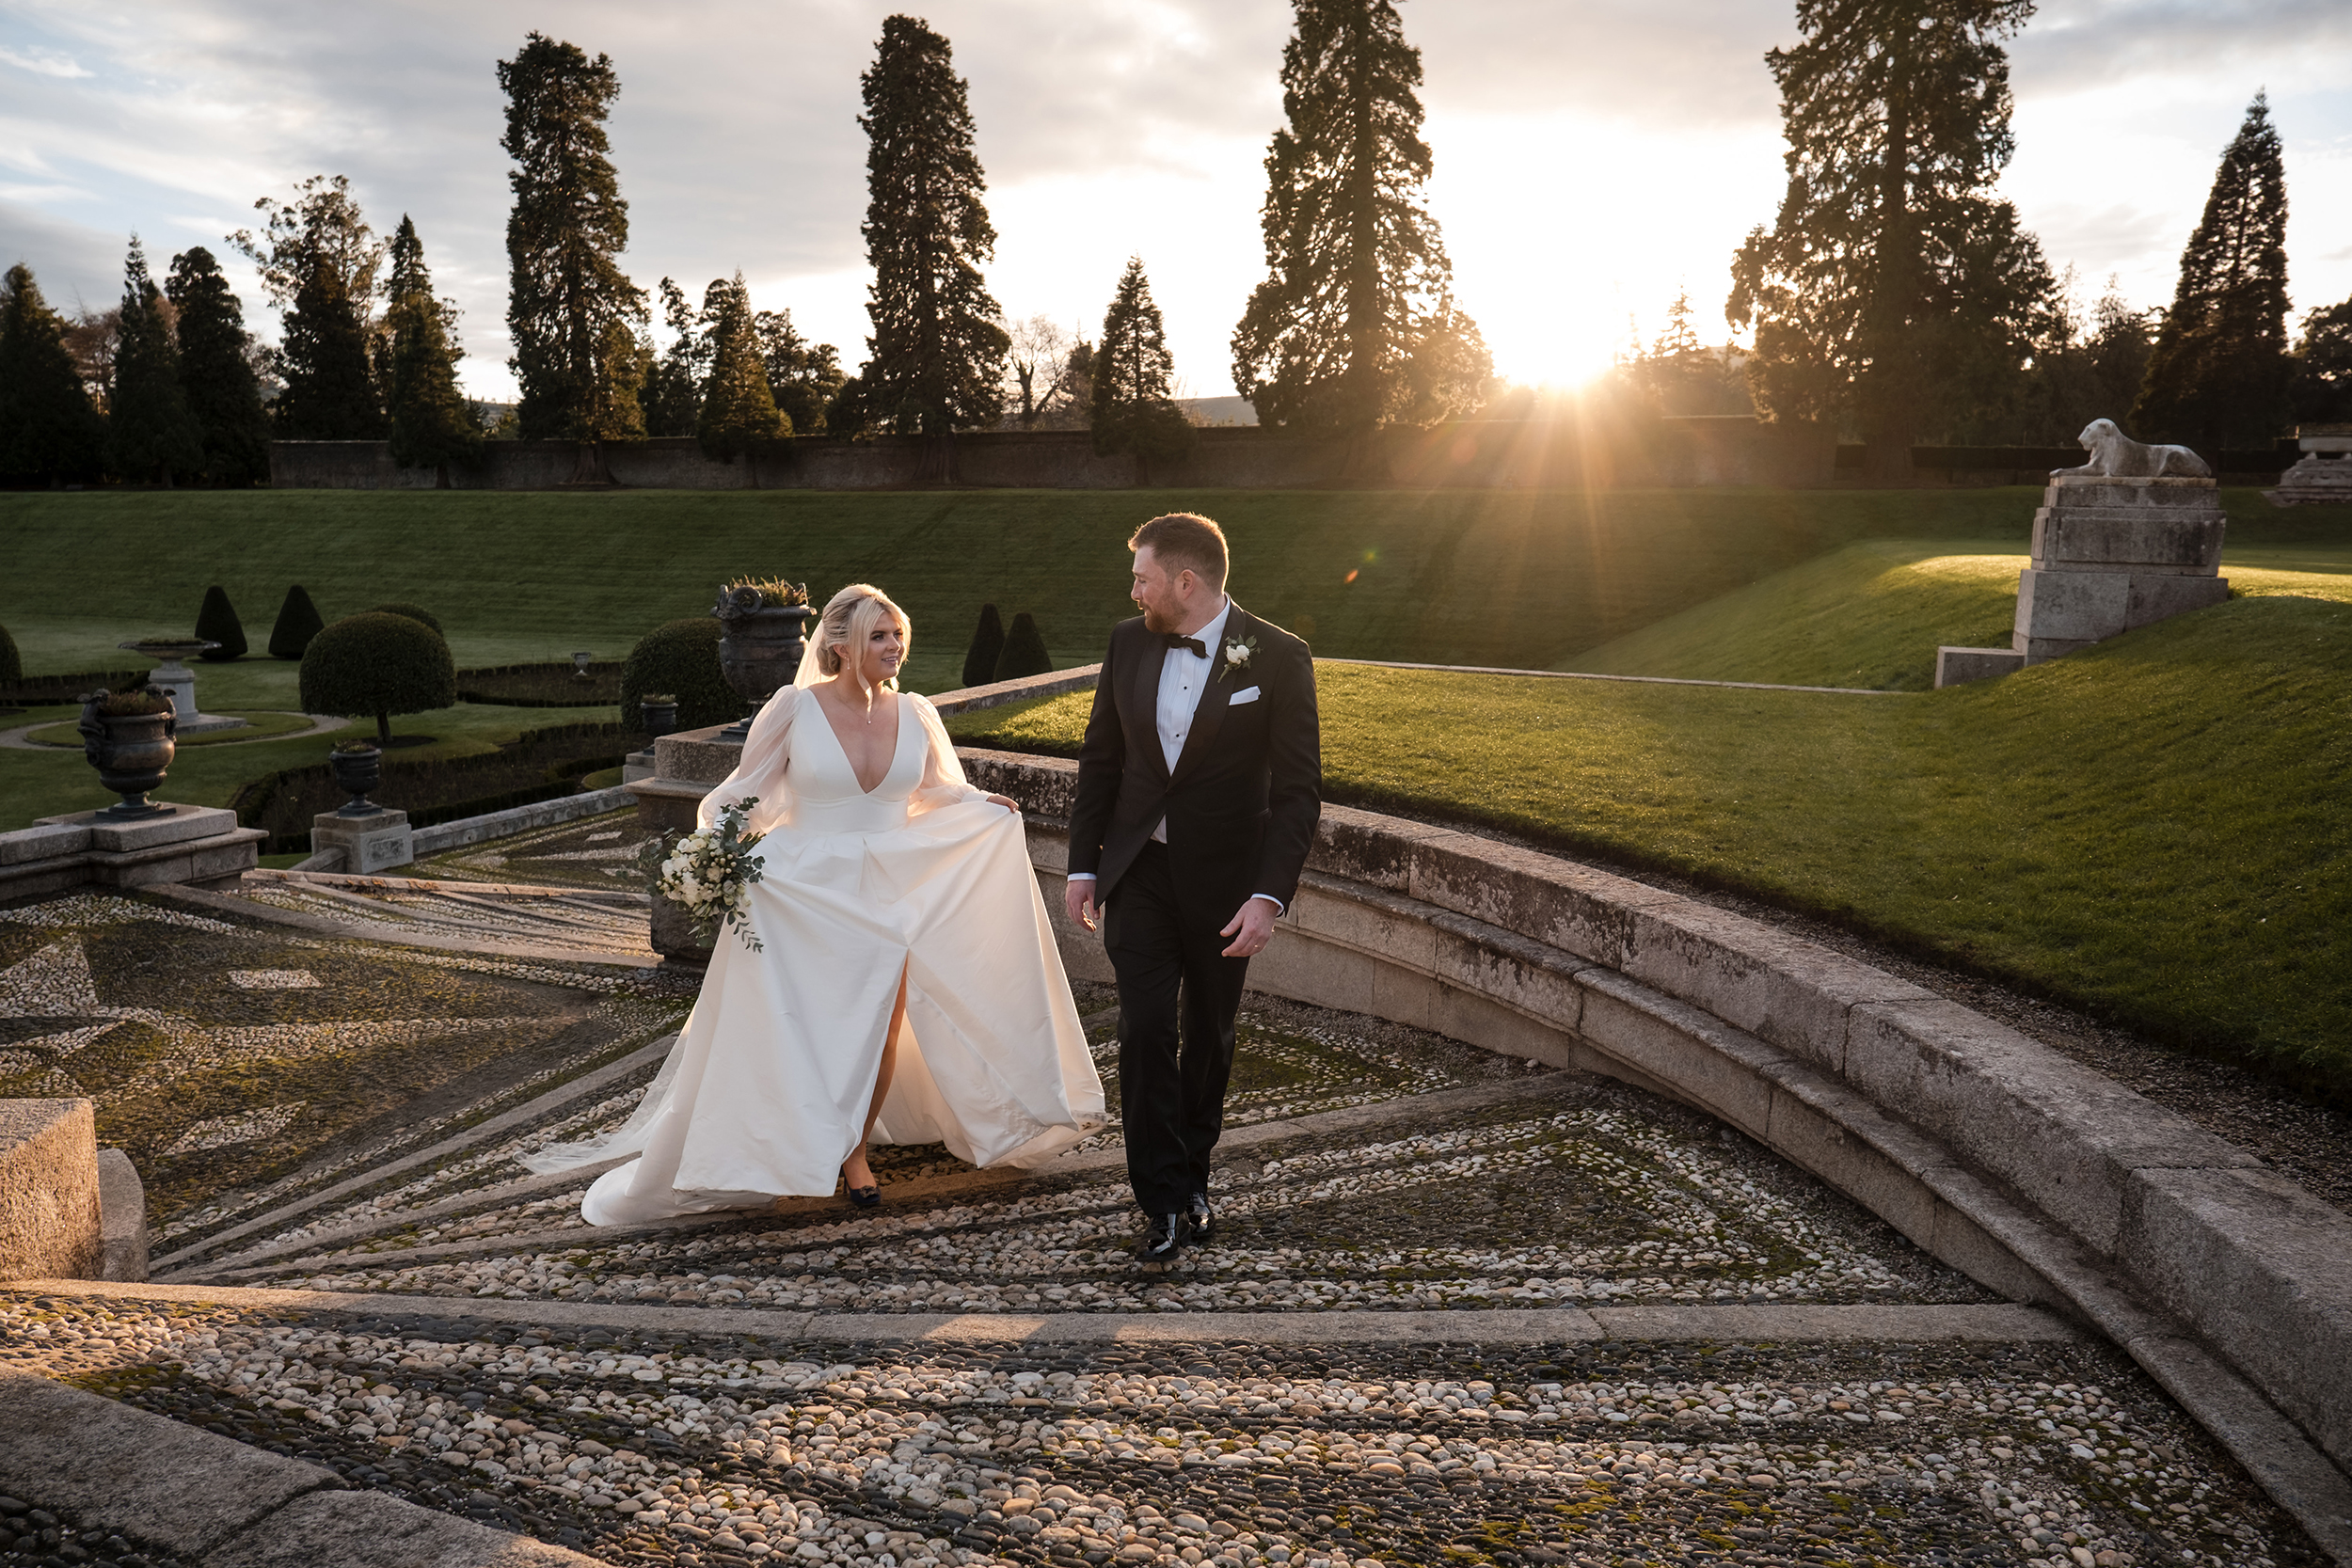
x=1593, y=156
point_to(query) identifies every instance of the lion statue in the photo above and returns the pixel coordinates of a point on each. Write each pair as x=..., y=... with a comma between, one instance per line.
x=2116, y=455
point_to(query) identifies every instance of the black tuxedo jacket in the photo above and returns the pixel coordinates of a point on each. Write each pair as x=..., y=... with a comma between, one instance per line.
x=1242, y=803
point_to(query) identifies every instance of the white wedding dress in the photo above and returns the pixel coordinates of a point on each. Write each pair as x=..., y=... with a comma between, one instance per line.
x=766, y=1092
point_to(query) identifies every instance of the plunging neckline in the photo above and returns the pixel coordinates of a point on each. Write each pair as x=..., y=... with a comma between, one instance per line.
x=897, y=741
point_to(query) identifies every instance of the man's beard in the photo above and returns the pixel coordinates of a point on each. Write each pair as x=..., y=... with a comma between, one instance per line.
x=1158, y=621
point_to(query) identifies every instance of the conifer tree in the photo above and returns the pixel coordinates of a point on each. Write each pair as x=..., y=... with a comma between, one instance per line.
x=805, y=377
x=2219, y=373
x=1354, y=326
x=318, y=260
x=432, y=423
x=49, y=431
x=672, y=392
x=739, y=412
x=216, y=371
x=150, y=436
x=988, y=642
x=569, y=305
x=2322, y=389
x=1133, y=368
x=932, y=361
x=1023, y=653
x=1892, y=291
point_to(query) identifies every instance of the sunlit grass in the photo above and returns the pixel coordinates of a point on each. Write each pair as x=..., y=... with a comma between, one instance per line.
x=2153, y=831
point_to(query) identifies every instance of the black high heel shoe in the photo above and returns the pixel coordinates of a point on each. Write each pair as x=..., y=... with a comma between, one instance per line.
x=868, y=1197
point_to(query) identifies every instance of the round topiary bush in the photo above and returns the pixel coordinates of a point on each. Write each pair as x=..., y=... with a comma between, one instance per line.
x=11, y=662
x=377, y=664
x=988, y=642
x=414, y=612
x=298, y=620
x=1025, y=651
x=680, y=659
x=216, y=622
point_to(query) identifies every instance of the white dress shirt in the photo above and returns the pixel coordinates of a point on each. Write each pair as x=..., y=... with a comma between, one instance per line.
x=1184, y=678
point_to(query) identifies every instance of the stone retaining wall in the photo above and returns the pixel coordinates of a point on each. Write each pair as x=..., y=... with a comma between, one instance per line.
x=2035, y=1175
x=50, y=1217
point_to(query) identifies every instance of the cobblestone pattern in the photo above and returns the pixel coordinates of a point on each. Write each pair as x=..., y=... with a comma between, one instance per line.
x=37, y=1537
x=643, y=1451
x=593, y=851
x=584, y=928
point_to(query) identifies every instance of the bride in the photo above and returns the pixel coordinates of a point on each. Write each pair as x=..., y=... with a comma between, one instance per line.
x=910, y=989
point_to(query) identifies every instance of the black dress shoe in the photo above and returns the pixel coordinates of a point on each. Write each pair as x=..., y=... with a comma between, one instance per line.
x=1200, y=1222
x=1163, y=1241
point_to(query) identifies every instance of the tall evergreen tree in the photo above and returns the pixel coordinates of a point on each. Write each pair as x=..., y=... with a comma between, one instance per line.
x=2219, y=373
x=49, y=430
x=739, y=412
x=569, y=305
x=216, y=371
x=2322, y=390
x=319, y=260
x=672, y=392
x=1133, y=369
x=432, y=423
x=1354, y=326
x=150, y=436
x=932, y=361
x=1892, y=291
x=805, y=377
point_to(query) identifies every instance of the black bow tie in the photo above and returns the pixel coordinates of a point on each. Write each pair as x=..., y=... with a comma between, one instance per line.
x=1199, y=648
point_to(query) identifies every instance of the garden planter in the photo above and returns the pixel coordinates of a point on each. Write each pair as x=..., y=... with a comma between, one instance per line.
x=660, y=717
x=759, y=648
x=356, y=772
x=132, y=751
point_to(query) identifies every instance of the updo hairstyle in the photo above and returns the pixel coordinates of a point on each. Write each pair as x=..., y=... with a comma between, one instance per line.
x=851, y=617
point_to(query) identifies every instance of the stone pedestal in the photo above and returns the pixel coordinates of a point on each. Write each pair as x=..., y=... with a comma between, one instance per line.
x=178, y=679
x=50, y=1225
x=685, y=768
x=189, y=844
x=2324, y=477
x=2109, y=555
x=376, y=842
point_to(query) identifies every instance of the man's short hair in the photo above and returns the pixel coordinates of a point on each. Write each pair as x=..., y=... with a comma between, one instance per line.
x=1186, y=539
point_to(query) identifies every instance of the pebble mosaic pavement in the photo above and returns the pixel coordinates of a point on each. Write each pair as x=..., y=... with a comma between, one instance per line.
x=1368, y=1167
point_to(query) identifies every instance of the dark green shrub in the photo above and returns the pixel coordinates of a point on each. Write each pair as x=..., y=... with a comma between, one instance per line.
x=297, y=623
x=413, y=613
x=216, y=622
x=377, y=664
x=680, y=659
x=1025, y=651
x=11, y=662
x=988, y=642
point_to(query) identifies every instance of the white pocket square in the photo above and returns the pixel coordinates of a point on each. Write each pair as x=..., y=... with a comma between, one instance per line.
x=1247, y=694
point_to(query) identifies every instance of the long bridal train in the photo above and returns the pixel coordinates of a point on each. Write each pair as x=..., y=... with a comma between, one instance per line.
x=766, y=1090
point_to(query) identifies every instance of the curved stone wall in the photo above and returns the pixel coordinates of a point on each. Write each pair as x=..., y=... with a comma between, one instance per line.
x=2035, y=1175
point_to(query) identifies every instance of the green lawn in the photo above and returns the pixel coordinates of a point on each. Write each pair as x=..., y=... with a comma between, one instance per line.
x=1872, y=613
x=2153, y=831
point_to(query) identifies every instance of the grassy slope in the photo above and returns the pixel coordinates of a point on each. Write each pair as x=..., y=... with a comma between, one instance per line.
x=1872, y=613
x=2152, y=829
x=1477, y=577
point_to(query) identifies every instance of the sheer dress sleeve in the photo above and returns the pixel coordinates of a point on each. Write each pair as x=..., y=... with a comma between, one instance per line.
x=760, y=772
x=944, y=784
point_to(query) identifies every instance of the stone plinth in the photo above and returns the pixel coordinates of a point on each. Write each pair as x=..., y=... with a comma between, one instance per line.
x=122, y=1218
x=686, y=767
x=2109, y=555
x=188, y=843
x=50, y=1224
x=2324, y=477
x=376, y=842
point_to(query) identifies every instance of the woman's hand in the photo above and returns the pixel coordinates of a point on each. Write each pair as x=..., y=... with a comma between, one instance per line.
x=1009, y=804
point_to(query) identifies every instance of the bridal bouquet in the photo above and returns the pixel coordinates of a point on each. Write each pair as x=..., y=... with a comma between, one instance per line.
x=709, y=874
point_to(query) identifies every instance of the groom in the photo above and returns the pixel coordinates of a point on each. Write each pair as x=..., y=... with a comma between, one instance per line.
x=1199, y=789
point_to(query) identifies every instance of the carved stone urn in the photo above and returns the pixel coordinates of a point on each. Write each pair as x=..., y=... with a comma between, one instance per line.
x=132, y=751
x=357, y=769
x=660, y=714
x=759, y=648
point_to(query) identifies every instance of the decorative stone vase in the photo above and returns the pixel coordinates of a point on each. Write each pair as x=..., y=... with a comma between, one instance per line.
x=132, y=751
x=661, y=717
x=356, y=772
x=759, y=648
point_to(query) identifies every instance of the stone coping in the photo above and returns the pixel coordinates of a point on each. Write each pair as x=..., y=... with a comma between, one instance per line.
x=2033, y=1174
x=515, y=819
x=213, y=1500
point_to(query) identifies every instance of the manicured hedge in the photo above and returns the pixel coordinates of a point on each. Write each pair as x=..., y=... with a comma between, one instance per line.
x=681, y=658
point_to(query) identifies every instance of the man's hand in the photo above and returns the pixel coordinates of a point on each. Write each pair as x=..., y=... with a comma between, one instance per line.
x=1078, y=898
x=1254, y=924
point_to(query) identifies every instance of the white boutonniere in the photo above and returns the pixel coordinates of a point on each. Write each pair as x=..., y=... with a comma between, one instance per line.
x=1238, y=651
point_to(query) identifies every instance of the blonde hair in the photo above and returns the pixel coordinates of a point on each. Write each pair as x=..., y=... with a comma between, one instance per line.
x=851, y=617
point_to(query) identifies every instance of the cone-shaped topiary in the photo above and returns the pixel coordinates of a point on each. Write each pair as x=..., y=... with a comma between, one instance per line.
x=216, y=622
x=11, y=662
x=681, y=660
x=297, y=623
x=1025, y=651
x=988, y=642
x=377, y=664
x=413, y=613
